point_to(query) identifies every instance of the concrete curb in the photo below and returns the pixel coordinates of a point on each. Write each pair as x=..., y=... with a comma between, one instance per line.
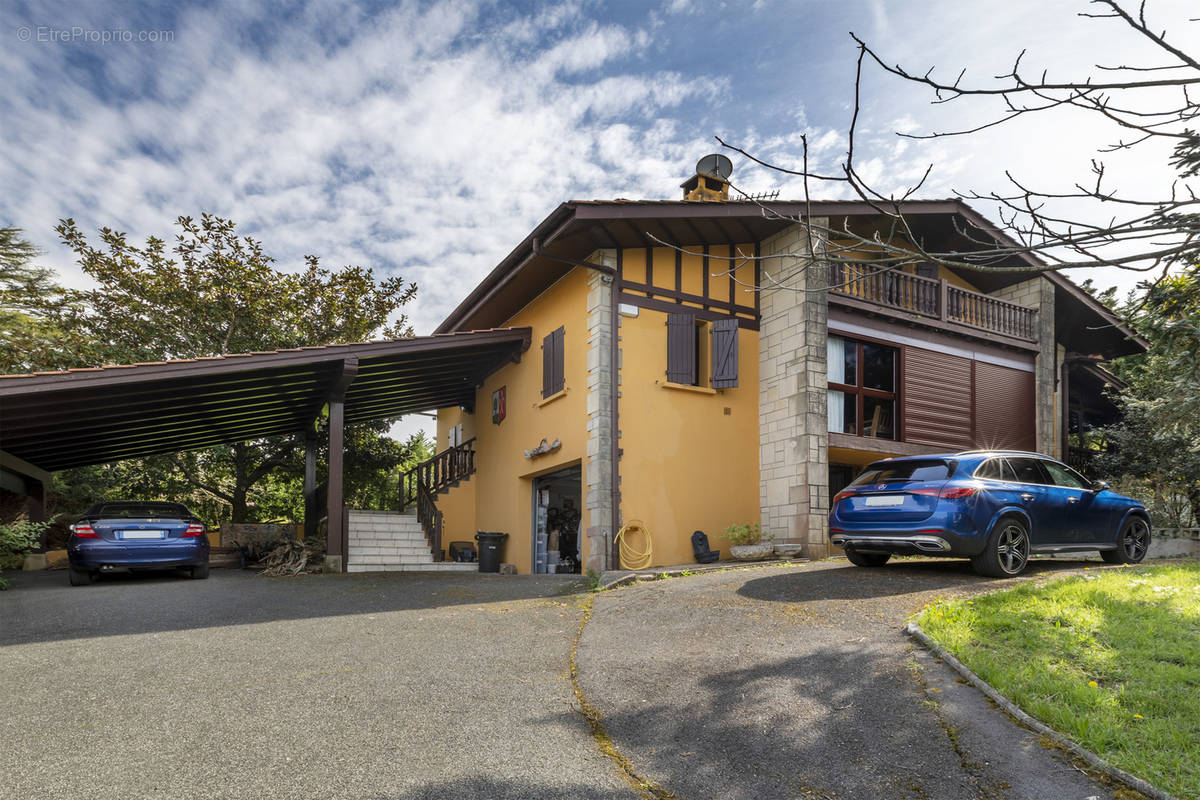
x=626, y=578
x=1093, y=760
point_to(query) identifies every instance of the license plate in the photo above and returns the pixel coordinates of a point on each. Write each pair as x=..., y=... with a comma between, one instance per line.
x=886, y=500
x=141, y=534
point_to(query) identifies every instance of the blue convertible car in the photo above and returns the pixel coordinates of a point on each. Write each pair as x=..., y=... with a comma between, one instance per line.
x=995, y=507
x=136, y=535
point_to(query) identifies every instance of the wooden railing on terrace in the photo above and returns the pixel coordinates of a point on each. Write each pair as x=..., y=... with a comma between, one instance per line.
x=929, y=297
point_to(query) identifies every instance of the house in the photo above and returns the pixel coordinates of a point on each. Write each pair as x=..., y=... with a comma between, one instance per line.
x=667, y=366
x=701, y=363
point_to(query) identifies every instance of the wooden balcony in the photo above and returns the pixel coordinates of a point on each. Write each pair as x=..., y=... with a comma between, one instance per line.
x=911, y=295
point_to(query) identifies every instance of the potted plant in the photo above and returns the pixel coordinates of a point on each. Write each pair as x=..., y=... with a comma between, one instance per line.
x=747, y=543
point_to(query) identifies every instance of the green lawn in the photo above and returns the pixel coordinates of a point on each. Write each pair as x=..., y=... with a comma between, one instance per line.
x=1110, y=658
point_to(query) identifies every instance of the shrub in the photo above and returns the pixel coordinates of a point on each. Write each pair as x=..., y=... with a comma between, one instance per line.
x=745, y=533
x=15, y=539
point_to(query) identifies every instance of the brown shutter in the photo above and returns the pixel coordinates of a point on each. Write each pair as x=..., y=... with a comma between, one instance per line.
x=1004, y=408
x=560, y=358
x=551, y=362
x=936, y=399
x=725, y=354
x=681, y=349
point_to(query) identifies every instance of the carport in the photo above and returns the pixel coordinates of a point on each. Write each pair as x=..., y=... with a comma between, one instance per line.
x=51, y=421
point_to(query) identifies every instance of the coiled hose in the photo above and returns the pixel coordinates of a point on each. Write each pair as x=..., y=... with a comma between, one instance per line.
x=632, y=558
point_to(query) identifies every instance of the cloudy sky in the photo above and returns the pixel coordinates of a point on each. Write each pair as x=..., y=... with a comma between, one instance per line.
x=427, y=138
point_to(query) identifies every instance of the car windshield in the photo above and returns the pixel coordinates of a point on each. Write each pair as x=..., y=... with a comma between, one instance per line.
x=918, y=470
x=138, y=510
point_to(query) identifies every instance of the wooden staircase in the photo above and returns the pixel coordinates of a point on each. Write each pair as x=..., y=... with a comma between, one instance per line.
x=420, y=486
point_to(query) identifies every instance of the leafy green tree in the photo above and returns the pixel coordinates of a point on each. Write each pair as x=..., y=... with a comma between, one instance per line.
x=1158, y=440
x=213, y=292
x=31, y=302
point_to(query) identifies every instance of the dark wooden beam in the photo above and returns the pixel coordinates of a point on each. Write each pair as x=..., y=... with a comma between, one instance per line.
x=335, y=530
x=310, y=485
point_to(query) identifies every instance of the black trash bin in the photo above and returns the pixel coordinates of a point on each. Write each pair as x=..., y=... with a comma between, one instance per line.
x=491, y=550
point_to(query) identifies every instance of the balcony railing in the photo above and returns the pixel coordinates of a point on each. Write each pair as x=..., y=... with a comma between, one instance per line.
x=936, y=299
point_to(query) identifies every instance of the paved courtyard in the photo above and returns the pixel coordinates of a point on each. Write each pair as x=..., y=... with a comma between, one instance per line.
x=774, y=682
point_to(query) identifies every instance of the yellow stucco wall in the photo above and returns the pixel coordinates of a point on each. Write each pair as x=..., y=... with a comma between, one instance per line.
x=457, y=505
x=501, y=491
x=687, y=463
x=690, y=457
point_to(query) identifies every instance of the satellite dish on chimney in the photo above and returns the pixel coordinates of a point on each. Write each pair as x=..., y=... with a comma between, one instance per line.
x=715, y=165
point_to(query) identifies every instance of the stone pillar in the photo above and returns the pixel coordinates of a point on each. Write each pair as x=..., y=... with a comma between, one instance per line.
x=1039, y=293
x=603, y=517
x=793, y=381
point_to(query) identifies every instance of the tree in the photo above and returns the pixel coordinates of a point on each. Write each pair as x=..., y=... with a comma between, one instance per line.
x=1157, y=441
x=30, y=301
x=214, y=292
x=1089, y=224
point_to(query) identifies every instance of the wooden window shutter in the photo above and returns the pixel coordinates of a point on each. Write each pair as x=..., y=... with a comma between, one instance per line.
x=548, y=365
x=553, y=359
x=559, y=381
x=725, y=354
x=681, y=348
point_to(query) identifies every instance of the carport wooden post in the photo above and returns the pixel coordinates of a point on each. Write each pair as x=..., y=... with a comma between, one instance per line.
x=335, y=529
x=35, y=507
x=310, y=485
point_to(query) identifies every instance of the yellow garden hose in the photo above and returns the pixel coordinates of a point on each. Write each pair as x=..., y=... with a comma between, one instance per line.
x=631, y=558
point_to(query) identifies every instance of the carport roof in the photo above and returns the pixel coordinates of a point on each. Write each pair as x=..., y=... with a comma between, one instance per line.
x=58, y=420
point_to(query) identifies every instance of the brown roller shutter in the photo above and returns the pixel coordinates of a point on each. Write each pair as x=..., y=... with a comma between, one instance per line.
x=681, y=349
x=936, y=401
x=1004, y=408
x=725, y=354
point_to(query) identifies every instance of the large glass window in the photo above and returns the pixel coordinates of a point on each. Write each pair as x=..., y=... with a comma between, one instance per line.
x=862, y=388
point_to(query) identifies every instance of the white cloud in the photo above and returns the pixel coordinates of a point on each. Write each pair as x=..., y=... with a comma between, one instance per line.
x=420, y=144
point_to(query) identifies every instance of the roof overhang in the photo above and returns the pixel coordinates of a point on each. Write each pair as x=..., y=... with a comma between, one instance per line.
x=576, y=229
x=53, y=421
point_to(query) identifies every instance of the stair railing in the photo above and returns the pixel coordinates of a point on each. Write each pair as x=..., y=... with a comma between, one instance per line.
x=431, y=520
x=420, y=486
x=439, y=473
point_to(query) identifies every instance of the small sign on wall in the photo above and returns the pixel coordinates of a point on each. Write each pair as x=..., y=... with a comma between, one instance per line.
x=499, y=410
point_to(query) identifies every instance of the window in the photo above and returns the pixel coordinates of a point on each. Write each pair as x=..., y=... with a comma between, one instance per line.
x=926, y=269
x=996, y=469
x=1064, y=476
x=922, y=470
x=694, y=345
x=553, y=381
x=1029, y=470
x=454, y=436
x=862, y=388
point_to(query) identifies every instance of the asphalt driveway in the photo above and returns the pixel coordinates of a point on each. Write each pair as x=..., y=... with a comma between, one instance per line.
x=796, y=682
x=346, y=686
x=781, y=682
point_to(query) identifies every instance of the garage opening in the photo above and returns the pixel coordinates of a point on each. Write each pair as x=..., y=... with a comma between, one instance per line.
x=556, y=519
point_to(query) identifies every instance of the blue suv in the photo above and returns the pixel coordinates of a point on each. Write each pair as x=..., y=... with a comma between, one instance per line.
x=995, y=507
